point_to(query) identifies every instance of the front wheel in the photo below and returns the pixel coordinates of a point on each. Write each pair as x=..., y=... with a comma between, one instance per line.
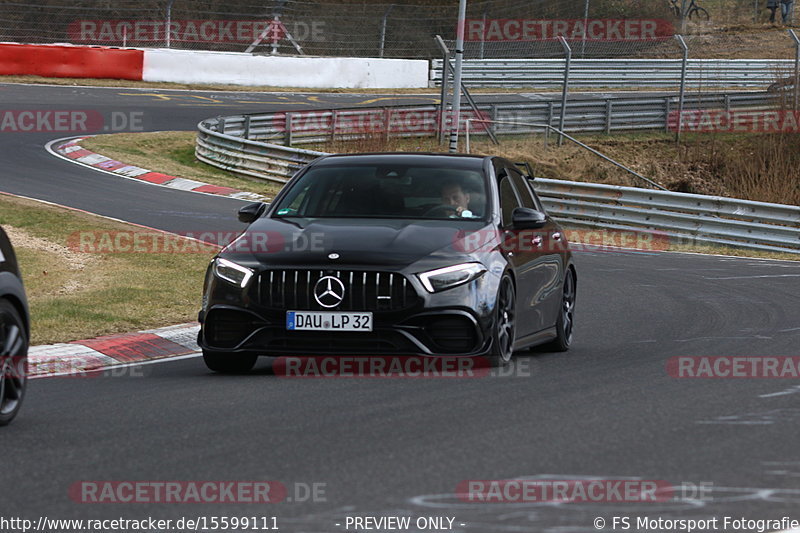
x=13, y=362
x=229, y=363
x=566, y=316
x=504, y=324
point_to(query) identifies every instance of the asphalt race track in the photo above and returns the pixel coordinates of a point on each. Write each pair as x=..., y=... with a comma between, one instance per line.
x=401, y=447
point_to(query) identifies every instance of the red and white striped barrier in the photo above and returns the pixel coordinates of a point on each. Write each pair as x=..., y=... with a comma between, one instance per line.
x=187, y=66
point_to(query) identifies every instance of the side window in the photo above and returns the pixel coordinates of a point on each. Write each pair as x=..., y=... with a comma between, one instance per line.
x=508, y=199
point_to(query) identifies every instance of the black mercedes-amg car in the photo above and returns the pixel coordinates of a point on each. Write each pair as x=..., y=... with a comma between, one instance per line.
x=14, y=333
x=392, y=254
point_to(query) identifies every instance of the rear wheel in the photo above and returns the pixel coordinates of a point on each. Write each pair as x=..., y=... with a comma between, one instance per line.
x=229, y=363
x=13, y=362
x=566, y=316
x=504, y=324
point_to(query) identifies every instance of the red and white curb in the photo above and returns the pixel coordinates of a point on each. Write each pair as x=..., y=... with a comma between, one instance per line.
x=103, y=352
x=71, y=150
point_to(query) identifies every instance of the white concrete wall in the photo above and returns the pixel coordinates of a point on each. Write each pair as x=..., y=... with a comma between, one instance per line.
x=187, y=66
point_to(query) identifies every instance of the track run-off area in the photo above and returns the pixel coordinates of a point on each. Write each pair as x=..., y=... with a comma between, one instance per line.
x=609, y=409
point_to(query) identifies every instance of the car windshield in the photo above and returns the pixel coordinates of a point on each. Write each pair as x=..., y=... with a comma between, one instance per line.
x=386, y=191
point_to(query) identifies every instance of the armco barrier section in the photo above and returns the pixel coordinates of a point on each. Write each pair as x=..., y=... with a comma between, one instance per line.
x=621, y=73
x=693, y=217
x=186, y=66
x=696, y=218
x=54, y=61
x=620, y=113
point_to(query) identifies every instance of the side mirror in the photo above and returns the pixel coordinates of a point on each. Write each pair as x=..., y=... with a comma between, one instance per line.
x=527, y=218
x=251, y=212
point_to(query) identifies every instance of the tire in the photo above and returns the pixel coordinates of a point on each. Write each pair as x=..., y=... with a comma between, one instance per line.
x=565, y=323
x=229, y=363
x=13, y=362
x=504, y=328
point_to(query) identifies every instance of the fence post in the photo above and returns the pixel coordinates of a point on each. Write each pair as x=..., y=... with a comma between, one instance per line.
x=796, y=68
x=445, y=89
x=609, y=109
x=565, y=90
x=682, y=95
x=167, y=32
x=383, y=28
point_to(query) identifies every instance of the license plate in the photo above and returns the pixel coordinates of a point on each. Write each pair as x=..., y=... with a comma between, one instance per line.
x=328, y=321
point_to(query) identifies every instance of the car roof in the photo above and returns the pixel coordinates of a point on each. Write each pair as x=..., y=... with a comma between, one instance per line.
x=405, y=158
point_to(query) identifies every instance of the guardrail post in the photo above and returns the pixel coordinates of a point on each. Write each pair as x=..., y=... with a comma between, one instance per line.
x=609, y=109
x=288, y=129
x=683, y=86
x=796, y=68
x=387, y=123
x=565, y=90
x=493, y=117
x=727, y=102
x=221, y=124
x=667, y=111
x=247, y=126
x=334, y=117
x=445, y=88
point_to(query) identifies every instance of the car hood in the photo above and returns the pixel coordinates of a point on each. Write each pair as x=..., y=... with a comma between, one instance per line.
x=384, y=242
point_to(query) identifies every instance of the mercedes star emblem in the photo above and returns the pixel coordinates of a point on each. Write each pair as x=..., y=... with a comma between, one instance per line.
x=329, y=291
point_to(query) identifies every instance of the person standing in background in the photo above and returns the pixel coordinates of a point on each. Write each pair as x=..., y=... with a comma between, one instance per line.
x=786, y=10
x=772, y=5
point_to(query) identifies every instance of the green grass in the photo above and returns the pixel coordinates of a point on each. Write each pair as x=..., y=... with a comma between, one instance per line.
x=75, y=295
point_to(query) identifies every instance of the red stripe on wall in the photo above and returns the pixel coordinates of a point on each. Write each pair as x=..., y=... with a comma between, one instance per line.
x=71, y=61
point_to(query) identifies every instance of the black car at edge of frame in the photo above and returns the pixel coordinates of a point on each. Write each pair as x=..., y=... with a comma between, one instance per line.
x=392, y=254
x=14, y=333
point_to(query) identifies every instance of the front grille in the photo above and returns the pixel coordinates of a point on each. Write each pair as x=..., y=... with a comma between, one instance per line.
x=364, y=290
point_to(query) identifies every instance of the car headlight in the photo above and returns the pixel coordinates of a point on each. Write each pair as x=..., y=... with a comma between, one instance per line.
x=449, y=277
x=232, y=273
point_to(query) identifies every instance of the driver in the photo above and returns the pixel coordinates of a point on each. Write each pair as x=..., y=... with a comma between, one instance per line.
x=455, y=196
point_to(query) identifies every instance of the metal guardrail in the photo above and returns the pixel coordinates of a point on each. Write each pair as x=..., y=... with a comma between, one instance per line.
x=693, y=217
x=249, y=158
x=583, y=114
x=620, y=73
x=697, y=218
